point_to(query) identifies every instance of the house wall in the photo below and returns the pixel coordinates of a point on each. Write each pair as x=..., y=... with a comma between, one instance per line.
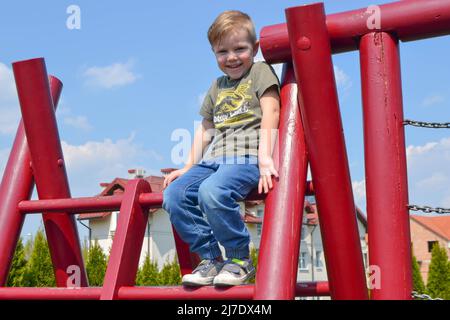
x=420, y=236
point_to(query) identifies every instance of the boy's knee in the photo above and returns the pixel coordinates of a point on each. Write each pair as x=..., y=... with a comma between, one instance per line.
x=170, y=197
x=209, y=196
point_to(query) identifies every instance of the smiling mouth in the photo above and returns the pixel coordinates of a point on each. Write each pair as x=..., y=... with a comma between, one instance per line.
x=234, y=67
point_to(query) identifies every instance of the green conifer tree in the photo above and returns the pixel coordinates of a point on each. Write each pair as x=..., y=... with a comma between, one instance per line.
x=170, y=273
x=39, y=271
x=96, y=265
x=148, y=274
x=438, y=285
x=418, y=284
x=254, y=257
x=18, y=266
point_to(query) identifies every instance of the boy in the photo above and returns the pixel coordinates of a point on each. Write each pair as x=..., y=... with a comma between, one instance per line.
x=242, y=108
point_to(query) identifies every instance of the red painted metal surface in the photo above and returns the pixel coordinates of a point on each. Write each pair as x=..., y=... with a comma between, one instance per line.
x=276, y=276
x=245, y=292
x=21, y=293
x=385, y=164
x=17, y=185
x=48, y=165
x=127, y=243
x=410, y=20
x=322, y=123
x=87, y=204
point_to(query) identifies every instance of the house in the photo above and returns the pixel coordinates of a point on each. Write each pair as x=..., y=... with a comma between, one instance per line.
x=160, y=245
x=425, y=232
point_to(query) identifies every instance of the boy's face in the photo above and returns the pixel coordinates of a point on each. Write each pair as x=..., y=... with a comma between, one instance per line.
x=235, y=53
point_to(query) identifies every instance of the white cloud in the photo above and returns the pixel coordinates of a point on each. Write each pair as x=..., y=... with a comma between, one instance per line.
x=115, y=75
x=343, y=81
x=9, y=104
x=429, y=173
x=93, y=162
x=432, y=100
x=359, y=193
x=78, y=122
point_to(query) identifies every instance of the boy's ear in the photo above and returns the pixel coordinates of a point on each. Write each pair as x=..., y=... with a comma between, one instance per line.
x=255, y=48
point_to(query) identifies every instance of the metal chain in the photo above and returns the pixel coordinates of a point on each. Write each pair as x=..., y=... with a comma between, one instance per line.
x=434, y=125
x=428, y=209
x=423, y=296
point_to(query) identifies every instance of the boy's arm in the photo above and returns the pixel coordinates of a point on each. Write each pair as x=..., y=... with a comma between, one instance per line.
x=202, y=139
x=270, y=106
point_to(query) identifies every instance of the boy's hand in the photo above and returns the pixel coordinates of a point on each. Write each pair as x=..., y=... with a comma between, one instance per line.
x=173, y=175
x=266, y=170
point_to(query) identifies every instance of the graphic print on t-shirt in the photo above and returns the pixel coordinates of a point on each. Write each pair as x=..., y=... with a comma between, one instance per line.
x=233, y=106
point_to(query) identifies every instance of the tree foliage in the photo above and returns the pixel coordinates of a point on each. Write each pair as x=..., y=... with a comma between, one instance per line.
x=148, y=274
x=96, y=265
x=39, y=271
x=418, y=284
x=18, y=266
x=438, y=284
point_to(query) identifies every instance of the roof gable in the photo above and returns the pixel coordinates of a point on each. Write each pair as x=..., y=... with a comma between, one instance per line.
x=439, y=225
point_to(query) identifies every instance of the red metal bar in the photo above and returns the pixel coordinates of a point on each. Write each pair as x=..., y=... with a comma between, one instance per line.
x=276, y=277
x=385, y=161
x=48, y=165
x=17, y=185
x=87, y=204
x=244, y=292
x=322, y=123
x=409, y=20
x=107, y=203
x=127, y=244
x=304, y=289
x=21, y=293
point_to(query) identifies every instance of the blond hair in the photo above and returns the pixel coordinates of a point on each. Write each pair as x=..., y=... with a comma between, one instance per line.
x=230, y=21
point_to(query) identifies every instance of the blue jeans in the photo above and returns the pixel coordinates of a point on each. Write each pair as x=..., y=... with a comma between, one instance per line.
x=212, y=188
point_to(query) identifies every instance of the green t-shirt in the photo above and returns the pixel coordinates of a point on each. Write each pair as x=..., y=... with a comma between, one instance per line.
x=233, y=106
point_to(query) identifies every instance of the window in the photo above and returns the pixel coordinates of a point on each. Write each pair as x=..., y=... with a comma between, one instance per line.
x=311, y=199
x=302, y=260
x=259, y=229
x=431, y=244
x=318, y=262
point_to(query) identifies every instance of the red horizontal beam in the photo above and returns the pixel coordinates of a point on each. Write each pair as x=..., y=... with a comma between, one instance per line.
x=408, y=19
x=107, y=203
x=245, y=292
x=22, y=293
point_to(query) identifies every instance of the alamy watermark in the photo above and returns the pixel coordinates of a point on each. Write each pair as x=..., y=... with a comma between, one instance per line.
x=229, y=144
x=373, y=22
x=74, y=279
x=73, y=21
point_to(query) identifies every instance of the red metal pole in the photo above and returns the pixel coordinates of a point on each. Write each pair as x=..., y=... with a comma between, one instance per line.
x=17, y=185
x=409, y=19
x=385, y=159
x=48, y=165
x=280, y=242
x=322, y=123
x=127, y=244
x=245, y=292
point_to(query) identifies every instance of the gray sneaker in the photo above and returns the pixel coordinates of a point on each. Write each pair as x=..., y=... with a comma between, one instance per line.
x=235, y=272
x=204, y=274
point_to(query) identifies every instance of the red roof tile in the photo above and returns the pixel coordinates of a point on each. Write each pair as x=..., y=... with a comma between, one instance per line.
x=438, y=225
x=117, y=186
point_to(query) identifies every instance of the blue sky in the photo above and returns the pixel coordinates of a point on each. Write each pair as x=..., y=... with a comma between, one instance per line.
x=136, y=71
